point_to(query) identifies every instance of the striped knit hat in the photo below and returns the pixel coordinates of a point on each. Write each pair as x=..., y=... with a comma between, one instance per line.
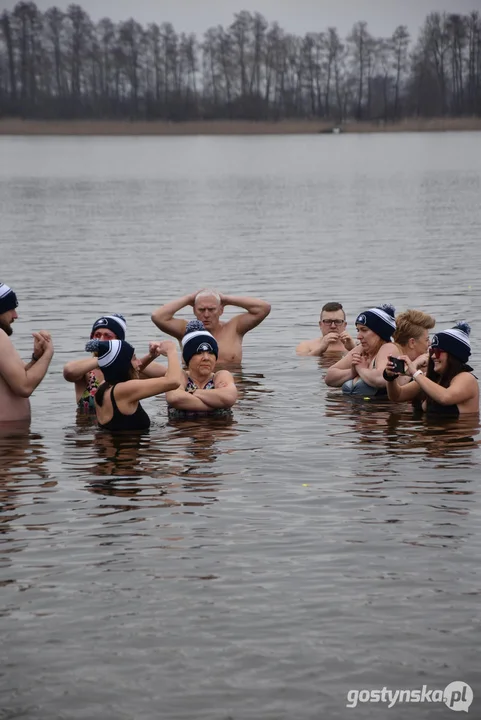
x=115, y=358
x=196, y=340
x=454, y=341
x=380, y=320
x=8, y=299
x=114, y=323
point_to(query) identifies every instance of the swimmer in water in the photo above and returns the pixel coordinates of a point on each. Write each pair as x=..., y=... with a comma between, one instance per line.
x=360, y=372
x=201, y=390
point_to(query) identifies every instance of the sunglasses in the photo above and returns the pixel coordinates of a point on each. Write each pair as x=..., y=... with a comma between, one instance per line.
x=435, y=352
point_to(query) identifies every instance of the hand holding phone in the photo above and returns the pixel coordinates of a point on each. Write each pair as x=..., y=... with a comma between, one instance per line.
x=399, y=365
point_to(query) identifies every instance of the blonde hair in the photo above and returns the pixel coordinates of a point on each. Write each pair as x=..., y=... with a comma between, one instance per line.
x=410, y=324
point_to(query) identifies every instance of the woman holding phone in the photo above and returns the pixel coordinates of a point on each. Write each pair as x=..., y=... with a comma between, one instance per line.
x=448, y=388
x=412, y=338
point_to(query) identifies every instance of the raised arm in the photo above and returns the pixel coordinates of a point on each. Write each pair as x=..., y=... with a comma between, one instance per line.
x=149, y=369
x=224, y=393
x=257, y=311
x=76, y=370
x=463, y=387
x=341, y=371
x=164, y=318
x=23, y=379
x=134, y=390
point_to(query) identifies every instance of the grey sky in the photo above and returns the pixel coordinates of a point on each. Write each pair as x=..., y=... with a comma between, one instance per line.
x=297, y=16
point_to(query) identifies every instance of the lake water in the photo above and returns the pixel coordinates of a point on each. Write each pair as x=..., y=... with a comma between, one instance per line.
x=258, y=568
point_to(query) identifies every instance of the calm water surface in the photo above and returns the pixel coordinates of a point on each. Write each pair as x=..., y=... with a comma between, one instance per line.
x=257, y=568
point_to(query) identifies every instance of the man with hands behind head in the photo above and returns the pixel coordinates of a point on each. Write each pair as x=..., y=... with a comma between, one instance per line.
x=208, y=307
x=17, y=379
x=334, y=340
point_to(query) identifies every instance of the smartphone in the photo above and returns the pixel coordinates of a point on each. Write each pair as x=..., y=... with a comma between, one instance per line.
x=399, y=365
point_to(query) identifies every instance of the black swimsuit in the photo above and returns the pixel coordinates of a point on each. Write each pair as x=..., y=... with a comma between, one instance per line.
x=139, y=420
x=435, y=408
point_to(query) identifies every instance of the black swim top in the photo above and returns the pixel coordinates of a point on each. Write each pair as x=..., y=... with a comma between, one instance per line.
x=139, y=420
x=435, y=408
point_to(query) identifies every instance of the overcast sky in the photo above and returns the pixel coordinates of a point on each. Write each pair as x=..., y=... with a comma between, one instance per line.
x=297, y=16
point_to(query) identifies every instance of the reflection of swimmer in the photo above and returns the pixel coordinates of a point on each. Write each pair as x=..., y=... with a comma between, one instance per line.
x=360, y=372
x=22, y=458
x=404, y=435
x=202, y=438
x=202, y=390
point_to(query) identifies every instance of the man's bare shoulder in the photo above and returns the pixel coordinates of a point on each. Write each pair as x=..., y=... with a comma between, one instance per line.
x=5, y=343
x=309, y=347
x=9, y=357
x=228, y=327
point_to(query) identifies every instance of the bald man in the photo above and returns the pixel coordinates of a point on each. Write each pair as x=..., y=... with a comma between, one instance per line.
x=208, y=307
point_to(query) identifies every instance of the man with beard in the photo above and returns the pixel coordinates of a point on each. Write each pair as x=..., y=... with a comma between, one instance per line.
x=17, y=379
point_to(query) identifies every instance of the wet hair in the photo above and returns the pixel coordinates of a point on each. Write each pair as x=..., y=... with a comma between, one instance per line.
x=205, y=293
x=332, y=307
x=410, y=324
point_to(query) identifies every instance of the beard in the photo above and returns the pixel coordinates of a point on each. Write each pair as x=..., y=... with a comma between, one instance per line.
x=6, y=328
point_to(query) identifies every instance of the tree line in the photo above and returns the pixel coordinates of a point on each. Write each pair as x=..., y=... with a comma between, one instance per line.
x=63, y=65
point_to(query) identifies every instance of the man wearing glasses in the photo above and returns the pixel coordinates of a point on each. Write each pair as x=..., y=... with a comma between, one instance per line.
x=334, y=340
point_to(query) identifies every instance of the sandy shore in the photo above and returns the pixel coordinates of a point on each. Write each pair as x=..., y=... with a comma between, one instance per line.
x=13, y=126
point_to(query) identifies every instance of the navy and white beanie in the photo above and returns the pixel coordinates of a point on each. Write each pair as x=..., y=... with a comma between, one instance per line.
x=8, y=299
x=114, y=323
x=454, y=341
x=115, y=358
x=380, y=320
x=196, y=340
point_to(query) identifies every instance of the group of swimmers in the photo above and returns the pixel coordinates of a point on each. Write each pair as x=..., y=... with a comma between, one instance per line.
x=393, y=357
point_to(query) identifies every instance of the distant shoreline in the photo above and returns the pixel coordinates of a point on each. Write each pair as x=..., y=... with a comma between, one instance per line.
x=13, y=126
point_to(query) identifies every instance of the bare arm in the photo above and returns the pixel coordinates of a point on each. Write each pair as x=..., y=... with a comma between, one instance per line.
x=134, y=390
x=224, y=393
x=341, y=371
x=22, y=379
x=76, y=370
x=402, y=393
x=257, y=311
x=163, y=317
x=154, y=370
x=182, y=400
x=308, y=347
x=463, y=387
x=374, y=376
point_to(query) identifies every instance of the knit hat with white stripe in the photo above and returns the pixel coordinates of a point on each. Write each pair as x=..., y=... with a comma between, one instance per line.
x=8, y=299
x=114, y=323
x=196, y=340
x=115, y=358
x=454, y=341
x=380, y=320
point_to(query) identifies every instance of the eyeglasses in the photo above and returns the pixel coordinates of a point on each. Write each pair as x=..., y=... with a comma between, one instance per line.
x=435, y=352
x=337, y=323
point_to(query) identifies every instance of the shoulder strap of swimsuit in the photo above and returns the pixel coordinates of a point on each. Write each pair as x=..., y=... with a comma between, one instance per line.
x=112, y=400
